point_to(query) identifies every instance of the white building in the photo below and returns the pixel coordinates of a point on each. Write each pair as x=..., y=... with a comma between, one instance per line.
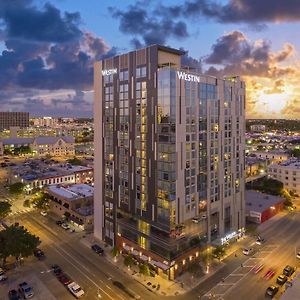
x=288, y=173
x=258, y=128
x=45, y=122
x=54, y=146
x=272, y=156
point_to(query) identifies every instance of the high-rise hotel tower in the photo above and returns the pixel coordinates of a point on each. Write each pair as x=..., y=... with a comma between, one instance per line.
x=169, y=157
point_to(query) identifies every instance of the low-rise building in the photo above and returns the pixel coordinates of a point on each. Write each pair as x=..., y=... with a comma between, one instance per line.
x=54, y=146
x=73, y=202
x=258, y=128
x=36, y=175
x=288, y=173
x=260, y=207
x=272, y=156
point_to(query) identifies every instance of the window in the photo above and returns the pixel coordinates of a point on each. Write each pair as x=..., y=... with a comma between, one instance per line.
x=123, y=75
x=140, y=72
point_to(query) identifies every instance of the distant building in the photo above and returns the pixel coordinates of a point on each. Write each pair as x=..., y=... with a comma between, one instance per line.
x=36, y=175
x=258, y=128
x=261, y=207
x=272, y=156
x=1, y=148
x=54, y=146
x=288, y=173
x=9, y=119
x=74, y=203
x=45, y=122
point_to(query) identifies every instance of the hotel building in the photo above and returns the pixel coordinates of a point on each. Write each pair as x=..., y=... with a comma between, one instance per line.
x=169, y=157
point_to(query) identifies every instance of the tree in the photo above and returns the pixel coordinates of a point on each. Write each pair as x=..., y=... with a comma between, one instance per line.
x=4, y=209
x=144, y=270
x=18, y=242
x=128, y=261
x=40, y=201
x=26, y=203
x=16, y=188
x=75, y=161
x=219, y=252
x=114, y=252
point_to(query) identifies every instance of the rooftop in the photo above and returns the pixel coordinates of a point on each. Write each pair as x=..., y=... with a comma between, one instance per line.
x=73, y=192
x=291, y=163
x=259, y=202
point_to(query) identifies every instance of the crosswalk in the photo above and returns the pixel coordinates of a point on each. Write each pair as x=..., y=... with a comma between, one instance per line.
x=19, y=212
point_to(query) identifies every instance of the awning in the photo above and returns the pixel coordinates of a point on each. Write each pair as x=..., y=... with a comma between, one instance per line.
x=144, y=257
x=161, y=266
x=134, y=252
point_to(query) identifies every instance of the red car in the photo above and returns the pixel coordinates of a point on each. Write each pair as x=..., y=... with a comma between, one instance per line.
x=64, y=279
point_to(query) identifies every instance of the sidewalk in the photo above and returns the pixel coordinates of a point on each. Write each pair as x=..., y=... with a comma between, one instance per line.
x=157, y=284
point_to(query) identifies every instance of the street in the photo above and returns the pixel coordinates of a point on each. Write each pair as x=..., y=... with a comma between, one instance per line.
x=93, y=273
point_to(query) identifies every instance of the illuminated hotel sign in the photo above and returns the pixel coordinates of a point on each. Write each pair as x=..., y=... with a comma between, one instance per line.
x=109, y=72
x=188, y=77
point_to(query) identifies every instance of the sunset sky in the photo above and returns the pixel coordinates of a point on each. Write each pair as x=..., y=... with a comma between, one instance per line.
x=47, y=48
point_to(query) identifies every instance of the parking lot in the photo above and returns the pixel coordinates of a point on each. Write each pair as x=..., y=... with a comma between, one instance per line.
x=240, y=273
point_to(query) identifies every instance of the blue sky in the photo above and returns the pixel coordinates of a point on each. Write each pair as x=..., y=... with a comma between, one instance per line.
x=252, y=38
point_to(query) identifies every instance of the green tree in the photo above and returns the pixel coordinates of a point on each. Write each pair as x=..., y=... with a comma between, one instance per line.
x=4, y=209
x=128, y=261
x=219, y=252
x=18, y=242
x=75, y=161
x=16, y=188
x=40, y=201
x=26, y=203
x=144, y=270
x=114, y=252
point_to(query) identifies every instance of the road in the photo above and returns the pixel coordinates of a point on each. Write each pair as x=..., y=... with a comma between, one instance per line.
x=92, y=272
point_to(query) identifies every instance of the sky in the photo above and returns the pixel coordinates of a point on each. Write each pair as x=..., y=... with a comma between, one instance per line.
x=47, y=48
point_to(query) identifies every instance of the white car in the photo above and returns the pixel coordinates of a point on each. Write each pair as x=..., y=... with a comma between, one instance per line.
x=260, y=241
x=75, y=289
x=247, y=251
x=65, y=226
x=44, y=213
x=298, y=255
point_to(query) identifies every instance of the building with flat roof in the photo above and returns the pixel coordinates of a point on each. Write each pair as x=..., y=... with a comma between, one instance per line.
x=260, y=207
x=169, y=147
x=9, y=119
x=288, y=172
x=73, y=202
x=36, y=174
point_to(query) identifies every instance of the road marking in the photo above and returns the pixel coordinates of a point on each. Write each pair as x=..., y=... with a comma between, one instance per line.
x=91, y=280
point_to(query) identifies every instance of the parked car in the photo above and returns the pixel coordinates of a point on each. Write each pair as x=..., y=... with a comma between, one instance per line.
x=97, y=249
x=271, y=291
x=64, y=279
x=288, y=270
x=59, y=222
x=56, y=270
x=298, y=255
x=248, y=251
x=281, y=279
x=26, y=290
x=65, y=226
x=44, y=213
x=13, y=295
x=39, y=253
x=75, y=289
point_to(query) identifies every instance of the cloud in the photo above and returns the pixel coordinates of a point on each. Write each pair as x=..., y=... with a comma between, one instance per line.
x=278, y=88
x=25, y=21
x=45, y=50
x=237, y=55
x=237, y=11
x=151, y=27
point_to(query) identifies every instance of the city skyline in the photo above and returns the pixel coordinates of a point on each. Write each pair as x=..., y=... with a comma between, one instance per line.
x=47, y=62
